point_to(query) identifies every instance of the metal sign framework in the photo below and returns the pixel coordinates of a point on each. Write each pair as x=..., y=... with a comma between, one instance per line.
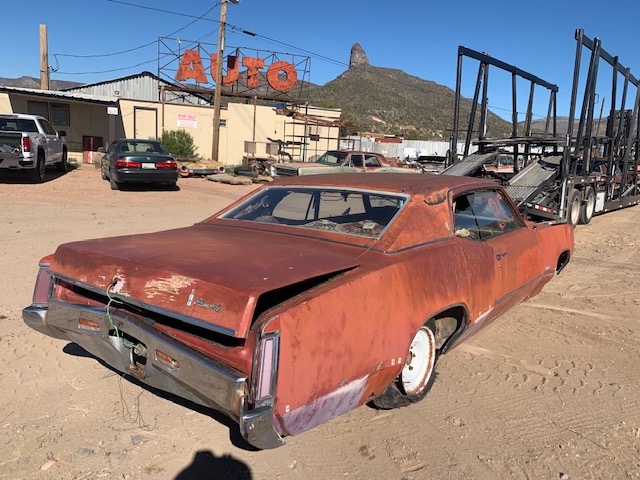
x=172, y=50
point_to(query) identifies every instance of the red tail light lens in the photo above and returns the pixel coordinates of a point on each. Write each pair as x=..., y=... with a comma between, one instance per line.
x=43, y=285
x=125, y=163
x=266, y=369
x=26, y=144
x=168, y=164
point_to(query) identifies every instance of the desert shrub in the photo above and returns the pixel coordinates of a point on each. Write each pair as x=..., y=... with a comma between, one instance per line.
x=179, y=143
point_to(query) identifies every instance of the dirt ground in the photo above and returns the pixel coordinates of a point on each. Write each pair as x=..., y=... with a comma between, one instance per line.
x=549, y=391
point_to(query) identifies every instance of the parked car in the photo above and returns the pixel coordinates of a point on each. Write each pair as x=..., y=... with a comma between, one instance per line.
x=29, y=143
x=305, y=299
x=432, y=163
x=130, y=160
x=338, y=161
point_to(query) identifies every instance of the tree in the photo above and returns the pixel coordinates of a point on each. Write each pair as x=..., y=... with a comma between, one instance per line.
x=180, y=143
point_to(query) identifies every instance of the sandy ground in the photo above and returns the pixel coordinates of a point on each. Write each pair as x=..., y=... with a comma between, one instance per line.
x=549, y=391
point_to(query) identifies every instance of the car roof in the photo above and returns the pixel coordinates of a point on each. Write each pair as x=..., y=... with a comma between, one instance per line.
x=409, y=183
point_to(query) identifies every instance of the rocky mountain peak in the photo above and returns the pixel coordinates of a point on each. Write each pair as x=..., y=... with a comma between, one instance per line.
x=358, y=57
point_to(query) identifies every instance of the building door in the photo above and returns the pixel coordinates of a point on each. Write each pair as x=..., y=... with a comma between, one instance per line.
x=145, y=123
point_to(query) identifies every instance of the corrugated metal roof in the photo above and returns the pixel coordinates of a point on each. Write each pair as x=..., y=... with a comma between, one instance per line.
x=80, y=97
x=144, y=86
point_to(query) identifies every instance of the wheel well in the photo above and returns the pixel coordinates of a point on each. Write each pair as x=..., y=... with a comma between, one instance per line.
x=563, y=259
x=449, y=324
x=41, y=152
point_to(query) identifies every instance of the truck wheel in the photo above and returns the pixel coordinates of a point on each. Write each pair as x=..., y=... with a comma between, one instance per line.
x=588, y=207
x=417, y=374
x=37, y=174
x=62, y=165
x=573, y=207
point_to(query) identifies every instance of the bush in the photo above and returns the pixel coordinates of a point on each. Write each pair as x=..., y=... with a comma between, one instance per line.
x=179, y=143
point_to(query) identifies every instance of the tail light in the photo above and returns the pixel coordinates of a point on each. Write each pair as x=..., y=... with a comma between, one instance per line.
x=42, y=289
x=168, y=164
x=126, y=163
x=26, y=144
x=266, y=369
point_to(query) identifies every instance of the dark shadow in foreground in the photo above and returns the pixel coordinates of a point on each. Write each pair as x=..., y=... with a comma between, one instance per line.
x=234, y=430
x=206, y=466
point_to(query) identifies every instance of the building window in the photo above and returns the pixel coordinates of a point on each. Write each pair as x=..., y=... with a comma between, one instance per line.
x=60, y=114
x=56, y=113
x=39, y=108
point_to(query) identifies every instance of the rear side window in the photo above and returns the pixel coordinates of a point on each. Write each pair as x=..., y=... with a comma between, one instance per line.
x=484, y=214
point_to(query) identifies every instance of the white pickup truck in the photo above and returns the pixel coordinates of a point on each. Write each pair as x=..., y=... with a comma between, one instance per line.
x=30, y=143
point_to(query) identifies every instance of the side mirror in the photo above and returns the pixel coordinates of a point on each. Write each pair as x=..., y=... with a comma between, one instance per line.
x=62, y=133
x=101, y=150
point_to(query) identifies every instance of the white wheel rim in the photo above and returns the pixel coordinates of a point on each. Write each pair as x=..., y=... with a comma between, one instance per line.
x=419, y=363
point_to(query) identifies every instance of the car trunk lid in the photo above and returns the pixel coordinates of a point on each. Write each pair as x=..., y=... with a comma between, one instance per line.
x=210, y=275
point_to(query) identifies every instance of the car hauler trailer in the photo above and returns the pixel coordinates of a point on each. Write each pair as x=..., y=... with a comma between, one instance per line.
x=561, y=177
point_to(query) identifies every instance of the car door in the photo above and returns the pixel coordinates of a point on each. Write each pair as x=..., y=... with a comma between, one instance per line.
x=372, y=163
x=518, y=264
x=356, y=160
x=53, y=142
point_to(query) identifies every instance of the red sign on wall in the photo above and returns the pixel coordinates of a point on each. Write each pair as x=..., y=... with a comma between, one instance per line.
x=191, y=67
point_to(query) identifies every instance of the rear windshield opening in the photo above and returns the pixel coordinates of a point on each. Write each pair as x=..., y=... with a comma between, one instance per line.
x=360, y=213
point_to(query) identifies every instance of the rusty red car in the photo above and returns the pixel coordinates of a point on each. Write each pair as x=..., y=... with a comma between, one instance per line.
x=305, y=299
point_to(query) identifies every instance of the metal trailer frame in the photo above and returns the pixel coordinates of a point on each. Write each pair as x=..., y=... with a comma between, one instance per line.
x=575, y=175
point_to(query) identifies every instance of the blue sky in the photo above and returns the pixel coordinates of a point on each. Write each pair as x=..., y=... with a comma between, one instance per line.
x=420, y=37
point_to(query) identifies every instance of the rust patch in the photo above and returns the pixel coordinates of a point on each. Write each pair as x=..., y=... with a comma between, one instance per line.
x=171, y=285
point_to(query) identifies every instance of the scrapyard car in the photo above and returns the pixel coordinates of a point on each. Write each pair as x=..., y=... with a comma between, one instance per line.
x=305, y=299
x=338, y=161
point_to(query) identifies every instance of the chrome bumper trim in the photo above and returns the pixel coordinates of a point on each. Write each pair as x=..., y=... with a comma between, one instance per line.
x=256, y=427
x=195, y=376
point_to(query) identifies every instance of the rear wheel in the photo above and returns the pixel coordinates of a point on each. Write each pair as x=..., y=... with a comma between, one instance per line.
x=588, y=207
x=112, y=182
x=417, y=374
x=573, y=207
x=37, y=174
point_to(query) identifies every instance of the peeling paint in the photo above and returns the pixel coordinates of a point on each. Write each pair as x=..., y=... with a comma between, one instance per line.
x=172, y=284
x=326, y=407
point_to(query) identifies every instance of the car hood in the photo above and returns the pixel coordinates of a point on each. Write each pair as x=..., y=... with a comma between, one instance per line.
x=210, y=275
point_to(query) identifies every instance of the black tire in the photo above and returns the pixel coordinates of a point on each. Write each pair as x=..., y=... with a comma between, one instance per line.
x=573, y=207
x=62, y=166
x=412, y=386
x=37, y=174
x=588, y=206
x=112, y=182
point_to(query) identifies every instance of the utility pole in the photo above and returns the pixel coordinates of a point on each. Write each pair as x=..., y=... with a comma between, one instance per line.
x=44, y=58
x=215, y=144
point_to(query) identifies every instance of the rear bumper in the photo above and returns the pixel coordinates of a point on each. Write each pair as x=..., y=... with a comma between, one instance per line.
x=159, y=361
x=145, y=176
x=17, y=163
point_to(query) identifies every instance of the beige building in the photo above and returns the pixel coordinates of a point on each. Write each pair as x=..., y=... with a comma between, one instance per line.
x=132, y=107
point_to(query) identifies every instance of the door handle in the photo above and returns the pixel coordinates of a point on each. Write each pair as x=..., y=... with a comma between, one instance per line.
x=500, y=256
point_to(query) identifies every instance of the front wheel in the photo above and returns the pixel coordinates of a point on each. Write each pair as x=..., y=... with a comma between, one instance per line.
x=62, y=166
x=417, y=374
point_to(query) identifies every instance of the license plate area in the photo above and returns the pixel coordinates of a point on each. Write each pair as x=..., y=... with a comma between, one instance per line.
x=149, y=166
x=131, y=348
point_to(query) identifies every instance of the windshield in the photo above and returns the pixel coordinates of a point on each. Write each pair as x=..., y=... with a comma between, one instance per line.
x=332, y=158
x=360, y=213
